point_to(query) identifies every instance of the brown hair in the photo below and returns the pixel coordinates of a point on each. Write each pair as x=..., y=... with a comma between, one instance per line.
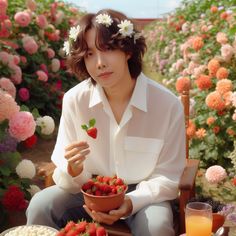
x=106, y=37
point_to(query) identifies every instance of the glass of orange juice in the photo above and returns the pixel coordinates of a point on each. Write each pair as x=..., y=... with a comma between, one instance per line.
x=198, y=219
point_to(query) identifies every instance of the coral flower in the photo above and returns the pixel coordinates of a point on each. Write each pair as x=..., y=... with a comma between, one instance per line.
x=221, y=38
x=214, y=9
x=197, y=43
x=230, y=132
x=227, y=97
x=214, y=100
x=191, y=130
x=30, y=45
x=213, y=66
x=22, y=18
x=216, y=129
x=42, y=75
x=224, y=86
x=41, y=21
x=203, y=82
x=222, y=73
x=182, y=84
x=224, y=15
x=210, y=120
x=215, y=174
x=200, y=133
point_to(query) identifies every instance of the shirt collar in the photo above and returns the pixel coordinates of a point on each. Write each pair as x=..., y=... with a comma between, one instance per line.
x=138, y=99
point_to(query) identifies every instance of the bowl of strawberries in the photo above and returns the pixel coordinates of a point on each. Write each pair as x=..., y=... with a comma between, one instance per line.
x=82, y=228
x=104, y=193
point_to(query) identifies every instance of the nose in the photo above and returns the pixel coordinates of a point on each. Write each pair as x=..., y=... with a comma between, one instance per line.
x=101, y=62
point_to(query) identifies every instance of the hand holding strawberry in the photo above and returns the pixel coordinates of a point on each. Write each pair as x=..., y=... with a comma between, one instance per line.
x=90, y=129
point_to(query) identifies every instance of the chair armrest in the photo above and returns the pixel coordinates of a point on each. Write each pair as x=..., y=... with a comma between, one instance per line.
x=187, y=180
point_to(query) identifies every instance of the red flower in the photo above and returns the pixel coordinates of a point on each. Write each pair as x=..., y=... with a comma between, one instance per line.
x=13, y=199
x=31, y=141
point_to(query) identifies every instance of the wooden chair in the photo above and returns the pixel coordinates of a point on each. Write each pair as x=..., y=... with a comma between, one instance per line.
x=186, y=186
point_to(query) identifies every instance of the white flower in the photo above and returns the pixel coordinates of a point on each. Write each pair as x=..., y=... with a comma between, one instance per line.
x=33, y=189
x=126, y=28
x=46, y=124
x=55, y=65
x=74, y=32
x=26, y=169
x=66, y=47
x=104, y=19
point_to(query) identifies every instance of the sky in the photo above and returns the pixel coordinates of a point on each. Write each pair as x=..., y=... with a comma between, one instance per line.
x=132, y=8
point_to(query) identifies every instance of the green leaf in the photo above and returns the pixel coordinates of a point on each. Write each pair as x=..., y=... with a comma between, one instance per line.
x=35, y=113
x=92, y=122
x=5, y=171
x=24, y=108
x=85, y=127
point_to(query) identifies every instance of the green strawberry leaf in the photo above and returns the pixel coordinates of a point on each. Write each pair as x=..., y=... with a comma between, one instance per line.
x=92, y=122
x=85, y=127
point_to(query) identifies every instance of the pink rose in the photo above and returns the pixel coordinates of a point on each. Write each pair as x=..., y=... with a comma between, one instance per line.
x=23, y=59
x=31, y=4
x=44, y=68
x=4, y=57
x=41, y=21
x=16, y=76
x=22, y=18
x=50, y=53
x=22, y=125
x=215, y=174
x=8, y=86
x=30, y=45
x=16, y=59
x=42, y=75
x=23, y=94
x=8, y=106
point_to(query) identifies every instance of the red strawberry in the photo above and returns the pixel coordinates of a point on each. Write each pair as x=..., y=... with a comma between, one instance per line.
x=81, y=227
x=69, y=226
x=100, y=231
x=91, y=229
x=62, y=232
x=92, y=132
x=72, y=232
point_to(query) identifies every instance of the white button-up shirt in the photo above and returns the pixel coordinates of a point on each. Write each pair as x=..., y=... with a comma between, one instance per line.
x=146, y=148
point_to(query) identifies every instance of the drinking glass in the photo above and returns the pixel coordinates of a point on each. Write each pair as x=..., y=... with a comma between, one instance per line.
x=198, y=219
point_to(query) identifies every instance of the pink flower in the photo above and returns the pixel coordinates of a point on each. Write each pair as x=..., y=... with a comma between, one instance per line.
x=23, y=94
x=3, y=5
x=227, y=51
x=221, y=38
x=44, y=68
x=22, y=18
x=42, y=75
x=4, y=57
x=16, y=76
x=23, y=59
x=51, y=53
x=8, y=106
x=16, y=59
x=41, y=21
x=215, y=174
x=55, y=65
x=30, y=45
x=31, y=4
x=22, y=125
x=8, y=86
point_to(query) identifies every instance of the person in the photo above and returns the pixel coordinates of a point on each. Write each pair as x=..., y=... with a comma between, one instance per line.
x=140, y=132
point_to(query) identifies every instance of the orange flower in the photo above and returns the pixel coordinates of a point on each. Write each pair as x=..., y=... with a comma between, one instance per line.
x=214, y=100
x=203, y=82
x=197, y=43
x=182, y=84
x=191, y=130
x=213, y=66
x=230, y=132
x=222, y=73
x=214, y=9
x=227, y=98
x=224, y=15
x=210, y=120
x=216, y=129
x=201, y=133
x=224, y=86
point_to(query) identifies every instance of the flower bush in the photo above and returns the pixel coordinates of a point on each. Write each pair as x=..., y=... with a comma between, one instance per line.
x=31, y=56
x=195, y=47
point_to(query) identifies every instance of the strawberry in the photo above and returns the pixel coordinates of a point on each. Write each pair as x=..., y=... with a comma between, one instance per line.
x=91, y=229
x=72, y=232
x=69, y=226
x=62, y=232
x=100, y=231
x=90, y=129
x=81, y=227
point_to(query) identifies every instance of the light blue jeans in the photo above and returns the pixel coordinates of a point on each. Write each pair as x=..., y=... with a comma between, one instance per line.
x=55, y=207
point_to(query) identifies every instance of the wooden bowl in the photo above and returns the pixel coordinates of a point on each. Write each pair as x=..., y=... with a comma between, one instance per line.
x=104, y=203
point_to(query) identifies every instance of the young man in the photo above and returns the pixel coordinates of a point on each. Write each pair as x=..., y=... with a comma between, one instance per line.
x=141, y=133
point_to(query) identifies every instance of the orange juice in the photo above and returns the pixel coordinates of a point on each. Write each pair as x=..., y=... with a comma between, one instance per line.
x=197, y=225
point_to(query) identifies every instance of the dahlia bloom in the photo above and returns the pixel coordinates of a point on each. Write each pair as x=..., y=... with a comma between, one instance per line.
x=26, y=169
x=41, y=21
x=182, y=84
x=221, y=38
x=203, y=82
x=42, y=75
x=224, y=86
x=227, y=98
x=30, y=45
x=22, y=18
x=197, y=43
x=22, y=125
x=191, y=130
x=23, y=94
x=213, y=66
x=46, y=124
x=8, y=86
x=200, y=133
x=222, y=73
x=210, y=120
x=227, y=51
x=8, y=106
x=215, y=174
x=214, y=100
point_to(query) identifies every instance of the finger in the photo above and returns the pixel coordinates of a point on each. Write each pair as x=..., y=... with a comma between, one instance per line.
x=74, y=151
x=76, y=145
x=89, y=212
x=78, y=157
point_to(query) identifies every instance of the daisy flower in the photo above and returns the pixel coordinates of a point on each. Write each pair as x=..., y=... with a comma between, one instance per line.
x=74, y=31
x=126, y=28
x=66, y=47
x=104, y=19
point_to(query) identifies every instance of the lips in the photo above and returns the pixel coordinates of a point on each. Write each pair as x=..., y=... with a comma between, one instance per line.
x=105, y=74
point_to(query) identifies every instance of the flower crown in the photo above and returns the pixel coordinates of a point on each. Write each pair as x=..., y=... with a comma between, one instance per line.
x=126, y=29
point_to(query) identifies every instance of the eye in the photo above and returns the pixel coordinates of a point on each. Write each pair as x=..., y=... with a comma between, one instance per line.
x=88, y=54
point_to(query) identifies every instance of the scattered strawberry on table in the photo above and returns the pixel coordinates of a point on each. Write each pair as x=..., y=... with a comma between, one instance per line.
x=82, y=228
x=104, y=186
x=90, y=129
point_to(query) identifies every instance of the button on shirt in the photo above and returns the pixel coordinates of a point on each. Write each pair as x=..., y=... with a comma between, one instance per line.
x=146, y=148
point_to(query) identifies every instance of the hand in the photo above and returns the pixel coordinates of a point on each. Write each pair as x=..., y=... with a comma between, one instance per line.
x=76, y=153
x=113, y=215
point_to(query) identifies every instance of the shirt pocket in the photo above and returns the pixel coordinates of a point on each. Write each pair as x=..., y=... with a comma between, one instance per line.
x=141, y=156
